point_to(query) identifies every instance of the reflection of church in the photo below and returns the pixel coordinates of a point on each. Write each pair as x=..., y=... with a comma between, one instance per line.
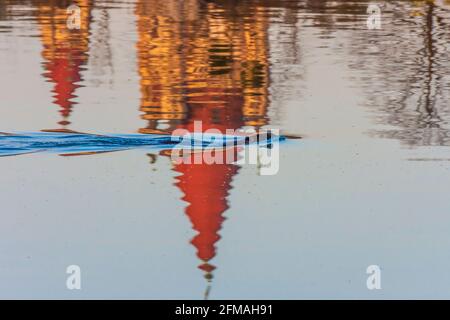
x=197, y=63
x=65, y=51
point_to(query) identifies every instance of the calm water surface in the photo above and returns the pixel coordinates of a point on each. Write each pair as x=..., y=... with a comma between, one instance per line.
x=367, y=184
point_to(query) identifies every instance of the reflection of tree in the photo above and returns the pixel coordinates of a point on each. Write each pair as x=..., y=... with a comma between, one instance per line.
x=8, y=12
x=3, y=12
x=418, y=110
x=400, y=67
x=427, y=98
x=101, y=54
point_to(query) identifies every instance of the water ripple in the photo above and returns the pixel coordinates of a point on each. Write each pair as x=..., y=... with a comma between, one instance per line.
x=73, y=143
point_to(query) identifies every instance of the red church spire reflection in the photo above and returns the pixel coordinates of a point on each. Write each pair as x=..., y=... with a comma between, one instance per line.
x=206, y=188
x=64, y=73
x=65, y=51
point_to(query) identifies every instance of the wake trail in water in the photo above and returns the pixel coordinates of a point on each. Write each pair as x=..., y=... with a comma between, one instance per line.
x=68, y=143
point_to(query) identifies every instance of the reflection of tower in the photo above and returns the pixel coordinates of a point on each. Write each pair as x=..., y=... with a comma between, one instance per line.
x=65, y=50
x=198, y=62
x=205, y=188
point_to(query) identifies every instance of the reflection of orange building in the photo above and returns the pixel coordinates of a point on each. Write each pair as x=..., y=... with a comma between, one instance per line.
x=65, y=50
x=197, y=63
x=193, y=55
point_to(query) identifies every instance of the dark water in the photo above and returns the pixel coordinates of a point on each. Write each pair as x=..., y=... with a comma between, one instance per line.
x=348, y=195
